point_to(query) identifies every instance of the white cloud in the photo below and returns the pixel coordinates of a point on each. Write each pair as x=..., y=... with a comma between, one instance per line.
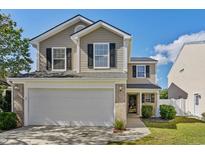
x=168, y=52
x=161, y=58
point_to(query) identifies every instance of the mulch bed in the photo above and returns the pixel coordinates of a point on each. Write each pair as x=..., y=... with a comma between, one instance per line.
x=158, y=119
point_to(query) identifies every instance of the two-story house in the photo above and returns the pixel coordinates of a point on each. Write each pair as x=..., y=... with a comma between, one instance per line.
x=84, y=76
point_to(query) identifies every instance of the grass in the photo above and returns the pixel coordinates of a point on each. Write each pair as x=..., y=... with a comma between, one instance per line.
x=181, y=130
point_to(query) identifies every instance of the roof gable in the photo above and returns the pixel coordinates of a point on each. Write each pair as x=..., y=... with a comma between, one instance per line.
x=59, y=28
x=97, y=25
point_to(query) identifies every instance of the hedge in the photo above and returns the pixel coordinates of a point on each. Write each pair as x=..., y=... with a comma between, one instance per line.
x=167, y=112
x=7, y=120
x=147, y=111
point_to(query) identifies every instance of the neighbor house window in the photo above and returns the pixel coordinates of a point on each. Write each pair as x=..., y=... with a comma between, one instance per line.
x=147, y=98
x=59, y=59
x=141, y=71
x=101, y=55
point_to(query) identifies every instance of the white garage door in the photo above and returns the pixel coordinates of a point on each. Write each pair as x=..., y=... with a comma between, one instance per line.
x=92, y=107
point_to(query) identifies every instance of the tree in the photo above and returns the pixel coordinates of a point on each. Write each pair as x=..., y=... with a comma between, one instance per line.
x=14, y=50
x=14, y=55
x=164, y=94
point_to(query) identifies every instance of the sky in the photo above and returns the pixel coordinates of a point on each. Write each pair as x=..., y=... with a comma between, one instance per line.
x=156, y=33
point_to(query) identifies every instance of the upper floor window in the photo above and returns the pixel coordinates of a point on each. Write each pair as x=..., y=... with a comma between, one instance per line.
x=141, y=71
x=59, y=59
x=78, y=28
x=101, y=55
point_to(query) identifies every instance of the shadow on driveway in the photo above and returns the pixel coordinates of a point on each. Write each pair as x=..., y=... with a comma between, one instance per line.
x=56, y=135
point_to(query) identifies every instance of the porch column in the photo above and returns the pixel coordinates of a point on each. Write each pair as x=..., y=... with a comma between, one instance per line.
x=140, y=95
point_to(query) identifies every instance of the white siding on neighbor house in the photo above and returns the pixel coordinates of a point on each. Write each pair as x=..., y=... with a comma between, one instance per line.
x=188, y=73
x=106, y=36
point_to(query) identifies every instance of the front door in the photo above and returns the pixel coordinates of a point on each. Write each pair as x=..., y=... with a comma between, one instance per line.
x=196, y=104
x=132, y=104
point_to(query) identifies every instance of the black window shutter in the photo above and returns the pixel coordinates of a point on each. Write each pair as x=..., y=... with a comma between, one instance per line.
x=90, y=55
x=49, y=58
x=147, y=71
x=134, y=71
x=152, y=98
x=112, y=55
x=69, y=58
x=143, y=98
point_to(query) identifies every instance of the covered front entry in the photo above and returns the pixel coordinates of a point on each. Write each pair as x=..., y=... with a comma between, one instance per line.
x=133, y=104
x=139, y=98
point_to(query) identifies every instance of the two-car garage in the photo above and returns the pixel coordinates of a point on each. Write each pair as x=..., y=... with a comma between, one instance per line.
x=70, y=106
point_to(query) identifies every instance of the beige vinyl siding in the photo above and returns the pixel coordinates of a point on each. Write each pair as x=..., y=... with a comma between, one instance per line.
x=61, y=39
x=151, y=79
x=101, y=35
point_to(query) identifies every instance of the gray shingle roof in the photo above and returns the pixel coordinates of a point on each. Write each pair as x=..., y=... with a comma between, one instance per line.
x=70, y=74
x=143, y=86
x=142, y=59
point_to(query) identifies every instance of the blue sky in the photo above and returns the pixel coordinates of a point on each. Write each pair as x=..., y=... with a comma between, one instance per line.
x=153, y=31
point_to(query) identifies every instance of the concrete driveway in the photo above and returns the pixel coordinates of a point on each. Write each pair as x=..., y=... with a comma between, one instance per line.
x=69, y=135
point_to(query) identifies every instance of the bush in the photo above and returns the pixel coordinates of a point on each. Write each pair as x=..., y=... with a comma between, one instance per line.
x=167, y=112
x=147, y=111
x=119, y=125
x=7, y=120
x=203, y=114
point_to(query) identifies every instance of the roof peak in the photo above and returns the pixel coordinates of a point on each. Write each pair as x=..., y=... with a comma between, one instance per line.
x=62, y=24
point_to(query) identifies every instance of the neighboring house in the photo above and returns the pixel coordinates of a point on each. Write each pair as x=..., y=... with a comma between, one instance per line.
x=84, y=76
x=186, y=78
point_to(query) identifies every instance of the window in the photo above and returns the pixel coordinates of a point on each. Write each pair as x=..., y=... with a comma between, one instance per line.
x=78, y=28
x=101, y=55
x=59, y=59
x=141, y=71
x=147, y=98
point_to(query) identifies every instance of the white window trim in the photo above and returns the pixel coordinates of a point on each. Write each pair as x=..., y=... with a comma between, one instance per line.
x=108, y=66
x=137, y=71
x=59, y=58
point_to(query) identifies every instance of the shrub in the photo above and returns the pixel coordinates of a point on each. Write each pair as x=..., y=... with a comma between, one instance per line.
x=7, y=120
x=119, y=124
x=147, y=111
x=167, y=112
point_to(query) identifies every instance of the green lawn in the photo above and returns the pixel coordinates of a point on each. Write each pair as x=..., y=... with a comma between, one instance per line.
x=181, y=130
